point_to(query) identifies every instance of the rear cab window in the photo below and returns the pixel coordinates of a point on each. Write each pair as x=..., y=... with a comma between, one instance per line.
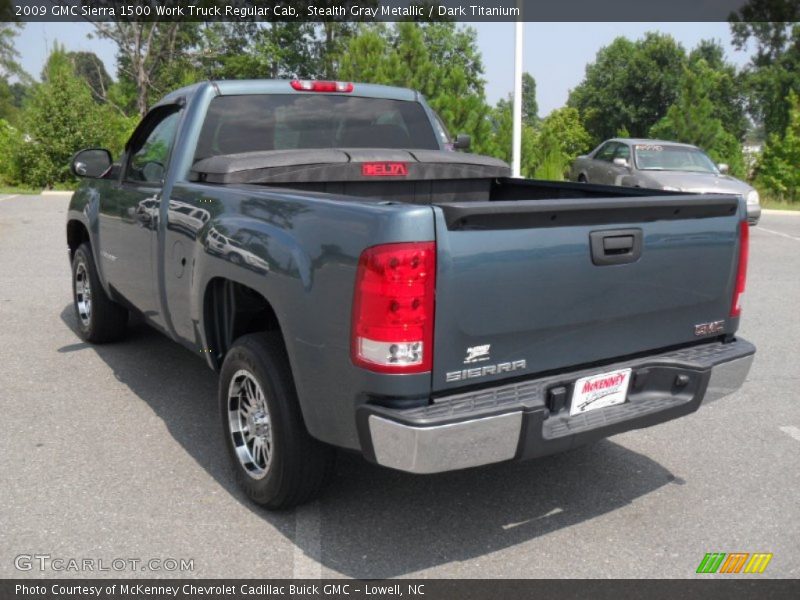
x=261, y=122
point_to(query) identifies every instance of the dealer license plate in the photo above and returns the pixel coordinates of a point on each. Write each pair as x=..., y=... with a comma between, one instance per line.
x=599, y=391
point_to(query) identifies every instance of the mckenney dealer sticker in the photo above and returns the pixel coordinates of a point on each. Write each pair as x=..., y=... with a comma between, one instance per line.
x=599, y=391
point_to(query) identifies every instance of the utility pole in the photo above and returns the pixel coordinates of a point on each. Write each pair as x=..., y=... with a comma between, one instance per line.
x=516, y=151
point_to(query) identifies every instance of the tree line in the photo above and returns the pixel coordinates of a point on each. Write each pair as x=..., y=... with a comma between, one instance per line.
x=650, y=87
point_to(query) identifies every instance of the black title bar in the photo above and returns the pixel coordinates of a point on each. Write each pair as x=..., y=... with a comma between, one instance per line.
x=398, y=10
x=710, y=588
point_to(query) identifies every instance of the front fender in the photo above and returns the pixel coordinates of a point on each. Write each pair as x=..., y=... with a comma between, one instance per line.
x=84, y=207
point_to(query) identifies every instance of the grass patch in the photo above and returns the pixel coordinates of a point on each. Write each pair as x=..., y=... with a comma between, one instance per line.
x=70, y=186
x=775, y=204
x=18, y=189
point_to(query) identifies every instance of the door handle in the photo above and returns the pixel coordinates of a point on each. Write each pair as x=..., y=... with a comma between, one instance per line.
x=618, y=244
x=615, y=246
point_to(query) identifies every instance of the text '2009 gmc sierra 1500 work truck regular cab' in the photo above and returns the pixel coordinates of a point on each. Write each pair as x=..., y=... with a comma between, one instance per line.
x=359, y=284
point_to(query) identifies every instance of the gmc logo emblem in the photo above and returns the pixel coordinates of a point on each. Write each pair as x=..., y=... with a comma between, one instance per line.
x=709, y=328
x=384, y=169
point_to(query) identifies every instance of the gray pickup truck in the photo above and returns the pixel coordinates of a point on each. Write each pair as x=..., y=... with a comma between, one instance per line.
x=359, y=284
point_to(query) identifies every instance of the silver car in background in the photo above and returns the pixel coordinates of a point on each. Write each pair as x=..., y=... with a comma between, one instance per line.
x=659, y=164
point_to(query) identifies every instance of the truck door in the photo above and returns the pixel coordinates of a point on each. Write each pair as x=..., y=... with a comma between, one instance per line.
x=187, y=215
x=129, y=215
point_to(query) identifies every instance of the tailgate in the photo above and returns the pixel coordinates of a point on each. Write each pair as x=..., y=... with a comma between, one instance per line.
x=535, y=286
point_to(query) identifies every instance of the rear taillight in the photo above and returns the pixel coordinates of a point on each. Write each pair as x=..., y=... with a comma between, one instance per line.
x=306, y=85
x=392, y=328
x=741, y=269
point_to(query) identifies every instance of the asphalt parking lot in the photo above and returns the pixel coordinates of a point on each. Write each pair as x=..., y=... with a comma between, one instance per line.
x=115, y=452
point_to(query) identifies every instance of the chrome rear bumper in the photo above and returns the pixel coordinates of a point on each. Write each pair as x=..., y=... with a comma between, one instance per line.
x=445, y=447
x=470, y=430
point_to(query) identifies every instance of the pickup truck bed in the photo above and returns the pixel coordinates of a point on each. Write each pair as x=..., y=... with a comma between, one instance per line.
x=415, y=304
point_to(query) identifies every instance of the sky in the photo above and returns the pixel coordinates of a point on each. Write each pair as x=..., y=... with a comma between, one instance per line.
x=555, y=54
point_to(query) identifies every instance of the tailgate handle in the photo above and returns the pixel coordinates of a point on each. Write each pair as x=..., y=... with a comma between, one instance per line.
x=616, y=246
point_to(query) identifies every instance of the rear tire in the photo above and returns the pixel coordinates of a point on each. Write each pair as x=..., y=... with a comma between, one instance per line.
x=275, y=460
x=582, y=178
x=99, y=319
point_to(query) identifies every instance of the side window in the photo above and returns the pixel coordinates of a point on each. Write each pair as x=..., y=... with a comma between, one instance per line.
x=149, y=151
x=606, y=152
x=441, y=130
x=623, y=151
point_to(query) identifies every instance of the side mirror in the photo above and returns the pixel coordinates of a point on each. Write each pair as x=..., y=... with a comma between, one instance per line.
x=462, y=142
x=92, y=162
x=723, y=168
x=621, y=162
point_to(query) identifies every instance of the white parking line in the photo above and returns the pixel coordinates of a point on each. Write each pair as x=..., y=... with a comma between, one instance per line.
x=791, y=431
x=788, y=213
x=307, y=542
x=8, y=197
x=780, y=233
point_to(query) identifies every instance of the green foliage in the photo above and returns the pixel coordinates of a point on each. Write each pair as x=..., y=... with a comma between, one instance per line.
x=367, y=57
x=560, y=138
x=725, y=86
x=330, y=44
x=530, y=107
x=634, y=88
x=450, y=44
x=500, y=118
x=728, y=150
x=778, y=170
x=8, y=54
x=117, y=129
x=254, y=51
x=152, y=57
x=565, y=125
x=60, y=118
x=10, y=141
x=692, y=119
x=91, y=69
x=499, y=141
x=774, y=71
x=9, y=67
x=552, y=166
x=438, y=59
x=548, y=148
x=8, y=110
x=630, y=84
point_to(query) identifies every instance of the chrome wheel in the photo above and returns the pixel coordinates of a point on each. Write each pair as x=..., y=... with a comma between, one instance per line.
x=250, y=424
x=83, y=293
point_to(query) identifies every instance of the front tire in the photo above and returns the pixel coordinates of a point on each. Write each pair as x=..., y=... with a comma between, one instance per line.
x=275, y=460
x=99, y=319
